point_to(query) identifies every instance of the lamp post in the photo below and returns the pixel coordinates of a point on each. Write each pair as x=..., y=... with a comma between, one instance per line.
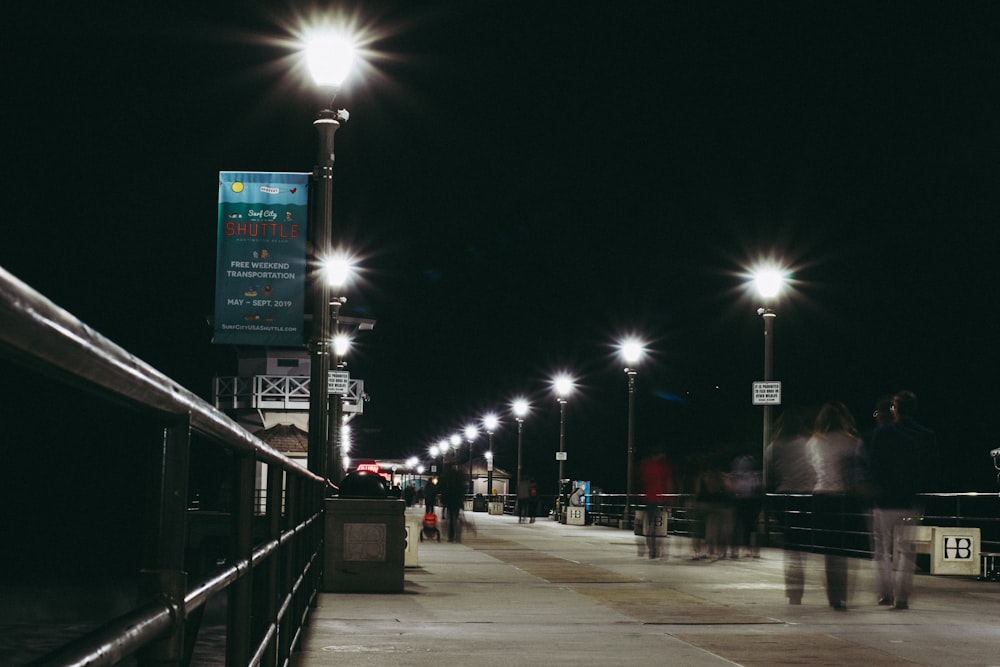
x=490, y=423
x=520, y=409
x=563, y=386
x=632, y=351
x=489, y=473
x=329, y=59
x=470, y=434
x=456, y=442
x=769, y=283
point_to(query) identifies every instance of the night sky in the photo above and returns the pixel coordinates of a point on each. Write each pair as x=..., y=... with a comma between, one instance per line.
x=526, y=182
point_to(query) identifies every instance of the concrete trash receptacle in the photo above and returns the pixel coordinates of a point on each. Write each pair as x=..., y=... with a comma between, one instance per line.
x=637, y=524
x=365, y=545
x=411, y=554
x=365, y=538
x=576, y=516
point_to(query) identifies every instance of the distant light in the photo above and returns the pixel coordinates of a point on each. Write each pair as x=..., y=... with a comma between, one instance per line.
x=490, y=423
x=563, y=385
x=769, y=282
x=345, y=438
x=471, y=432
x=520, y=407
x=434, y=451
x=412, y=462
x=456, y=440
x=341, y=344
x=632, y=350
x=338, y=270
x=329, y=57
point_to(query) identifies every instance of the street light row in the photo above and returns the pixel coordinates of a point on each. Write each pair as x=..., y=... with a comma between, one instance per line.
x=632, y=351
x=330, y=56
x=768, y=282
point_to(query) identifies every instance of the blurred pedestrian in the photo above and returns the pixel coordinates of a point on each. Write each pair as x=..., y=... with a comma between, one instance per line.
x=792, y=476
x=903, y=456
x=453, y=485
x=714, y=508
x=523, y=489
x=532, y=500
x=430, y=496
x=745, y=485
x=656, y=478
x=409, y=493
x=834, y=449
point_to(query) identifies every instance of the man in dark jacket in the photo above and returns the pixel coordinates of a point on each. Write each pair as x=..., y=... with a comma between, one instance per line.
x=453, y=485
x=903, y=456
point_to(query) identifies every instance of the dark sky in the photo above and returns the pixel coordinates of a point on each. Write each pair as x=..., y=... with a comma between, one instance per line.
x=527, y=181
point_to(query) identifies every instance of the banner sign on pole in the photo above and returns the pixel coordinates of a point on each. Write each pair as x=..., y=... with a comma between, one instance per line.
x=261, y=258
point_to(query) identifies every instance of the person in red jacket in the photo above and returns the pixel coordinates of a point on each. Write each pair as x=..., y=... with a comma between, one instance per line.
x=656, y=480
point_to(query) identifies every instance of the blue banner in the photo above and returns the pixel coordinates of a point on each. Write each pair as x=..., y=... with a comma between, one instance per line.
x=261, y=258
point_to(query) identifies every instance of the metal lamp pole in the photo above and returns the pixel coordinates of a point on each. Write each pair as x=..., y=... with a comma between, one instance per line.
x=768, y=316
x=327, y=123
x=562, y=448
x=489, y=464
x=470, y=435
x=630, y=373
x=520, y=410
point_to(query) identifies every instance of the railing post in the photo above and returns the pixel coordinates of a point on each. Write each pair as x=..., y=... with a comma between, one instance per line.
x=275, y=591
x=289, y=561
x=163, y=576
x=238, y=639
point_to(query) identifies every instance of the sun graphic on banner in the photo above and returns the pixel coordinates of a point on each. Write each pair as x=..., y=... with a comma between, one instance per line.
x=237, y=186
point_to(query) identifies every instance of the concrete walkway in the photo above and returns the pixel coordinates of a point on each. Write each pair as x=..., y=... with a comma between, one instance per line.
x=547, y=594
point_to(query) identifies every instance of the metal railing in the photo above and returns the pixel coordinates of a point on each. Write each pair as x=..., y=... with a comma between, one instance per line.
x=272, y=570
x=790, y=519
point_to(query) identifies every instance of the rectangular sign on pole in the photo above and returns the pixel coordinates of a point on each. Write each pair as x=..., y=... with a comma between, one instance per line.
x=767, y=393
x=261, y=258
x=338, y=382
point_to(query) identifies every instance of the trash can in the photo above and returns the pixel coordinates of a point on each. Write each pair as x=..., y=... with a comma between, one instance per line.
x=365, y=538
x=411, y=554
x=576, y=516
x=637, y=524
x=660, y=529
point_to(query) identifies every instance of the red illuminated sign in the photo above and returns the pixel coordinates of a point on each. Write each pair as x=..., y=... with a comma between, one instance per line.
x=368, y=467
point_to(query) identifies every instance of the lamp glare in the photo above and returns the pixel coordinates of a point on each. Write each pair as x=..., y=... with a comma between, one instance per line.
x=329, y=57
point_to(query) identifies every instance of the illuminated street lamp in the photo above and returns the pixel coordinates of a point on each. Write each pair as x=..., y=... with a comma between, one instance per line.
x=471, y=433
x=769, y=283
x=632, y=351
x=490, y=423
x=329, y=58
x=456, y=442
x=520, y=410
x=338, y=271
x=563, y=386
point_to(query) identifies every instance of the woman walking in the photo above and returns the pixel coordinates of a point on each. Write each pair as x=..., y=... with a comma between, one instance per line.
x=835, y=452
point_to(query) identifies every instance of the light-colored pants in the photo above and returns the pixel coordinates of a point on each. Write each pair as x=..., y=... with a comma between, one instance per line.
x=894, y=566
